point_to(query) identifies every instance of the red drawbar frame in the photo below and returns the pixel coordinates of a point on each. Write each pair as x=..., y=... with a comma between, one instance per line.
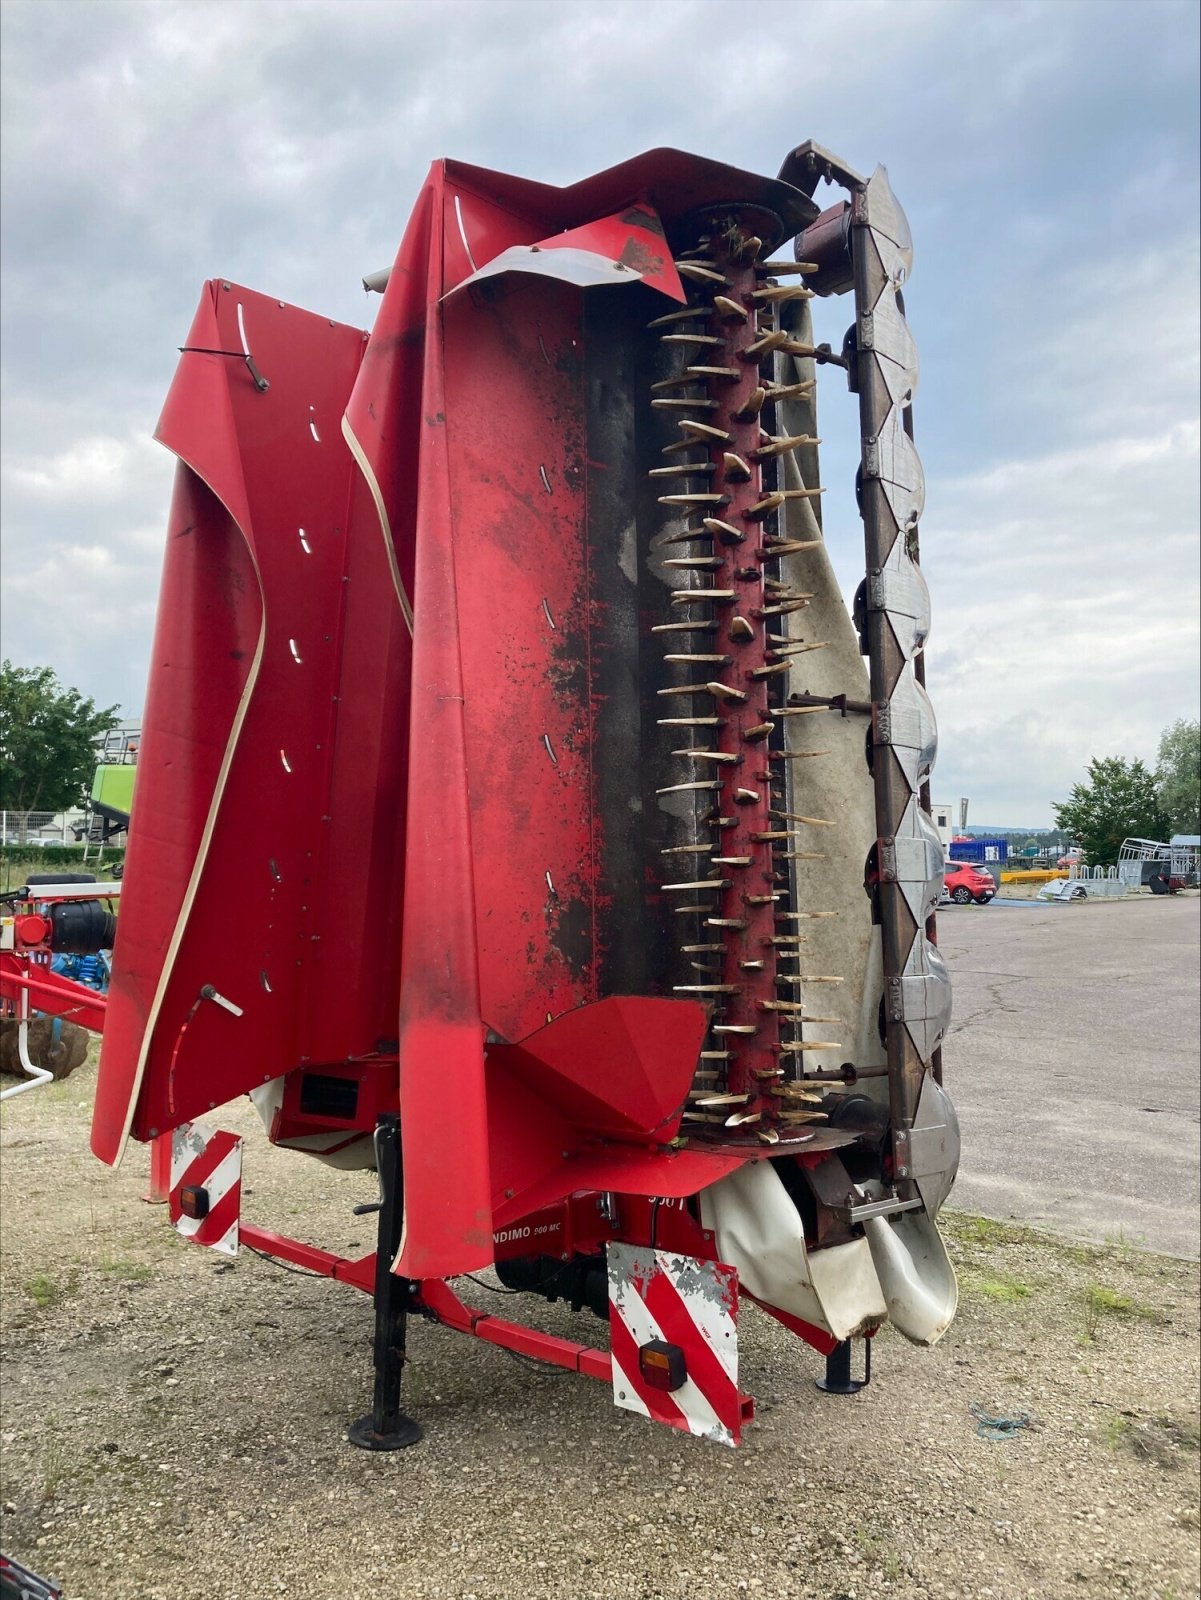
x=435, y=1296
x=577, y=1226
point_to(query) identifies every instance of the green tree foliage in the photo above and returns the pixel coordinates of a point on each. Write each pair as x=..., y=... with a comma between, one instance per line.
x=48, y=740
x=1178, y=775
x=1119, y=801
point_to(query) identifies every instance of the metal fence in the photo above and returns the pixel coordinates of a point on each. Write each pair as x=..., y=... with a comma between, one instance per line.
x=1101, y=882
x=1179, y=858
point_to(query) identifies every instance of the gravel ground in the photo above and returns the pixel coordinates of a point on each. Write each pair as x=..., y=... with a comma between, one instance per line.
x=172, y=1425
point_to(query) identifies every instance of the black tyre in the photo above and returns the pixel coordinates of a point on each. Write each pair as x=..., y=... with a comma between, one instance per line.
x=961, y=896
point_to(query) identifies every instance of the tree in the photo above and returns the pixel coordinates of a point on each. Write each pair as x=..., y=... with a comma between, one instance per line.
x=1178, y=775
x=48, y=740
x=1119, y=801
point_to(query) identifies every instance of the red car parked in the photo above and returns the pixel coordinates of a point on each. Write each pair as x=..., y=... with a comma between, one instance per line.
x=964, y=883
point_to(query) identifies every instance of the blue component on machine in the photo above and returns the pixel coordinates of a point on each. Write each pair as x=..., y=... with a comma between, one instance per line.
x=92, y=971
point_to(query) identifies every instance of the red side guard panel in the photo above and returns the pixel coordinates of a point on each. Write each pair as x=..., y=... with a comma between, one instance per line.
x=270, y=784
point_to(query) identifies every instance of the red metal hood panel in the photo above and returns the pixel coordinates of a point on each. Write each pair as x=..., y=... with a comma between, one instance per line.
x=237, y=871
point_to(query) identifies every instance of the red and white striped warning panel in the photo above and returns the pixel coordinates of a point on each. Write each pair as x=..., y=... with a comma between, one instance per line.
x=206, y=1186
x=673, y=1330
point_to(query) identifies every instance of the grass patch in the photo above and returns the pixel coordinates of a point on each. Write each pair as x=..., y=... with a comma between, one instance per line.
x=982, y=1233
x=1100, y=1302
x=1002, y=1289
x=976, y=1230
x=966, y=1229
x=1115, y=1432
x=1163, y=1440
x=128, y=1271
x=1113, y=1303
x=879, y=1553
x=1121, y=1244
x=46, y=1291
x=54, y=1468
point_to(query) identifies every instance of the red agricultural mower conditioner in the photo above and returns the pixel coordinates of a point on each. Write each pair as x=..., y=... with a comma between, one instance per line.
x=516, y=817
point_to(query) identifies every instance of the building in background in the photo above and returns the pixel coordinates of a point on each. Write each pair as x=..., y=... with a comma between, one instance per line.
x=944, y=820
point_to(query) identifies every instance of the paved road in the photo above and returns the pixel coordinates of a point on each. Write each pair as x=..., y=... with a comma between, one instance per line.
x=1073, y=1061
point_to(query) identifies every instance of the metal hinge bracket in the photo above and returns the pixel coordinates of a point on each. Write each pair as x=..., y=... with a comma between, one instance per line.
x=896, y=996
x=886, y=853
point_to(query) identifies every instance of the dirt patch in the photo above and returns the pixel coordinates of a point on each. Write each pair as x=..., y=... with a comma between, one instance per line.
x=172, y=1424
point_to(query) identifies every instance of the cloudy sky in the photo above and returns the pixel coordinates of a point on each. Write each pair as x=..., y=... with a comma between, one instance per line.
x=1047, y=154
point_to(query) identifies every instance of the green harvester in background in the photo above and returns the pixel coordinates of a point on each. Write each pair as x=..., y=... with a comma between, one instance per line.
x=112, y=797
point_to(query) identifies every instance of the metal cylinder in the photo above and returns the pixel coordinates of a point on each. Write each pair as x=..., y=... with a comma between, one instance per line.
x=827, y=243
x=81, y=927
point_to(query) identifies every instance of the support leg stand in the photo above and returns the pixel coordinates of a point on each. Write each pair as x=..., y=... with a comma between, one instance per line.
x=838, y=1378
x=386, y=1427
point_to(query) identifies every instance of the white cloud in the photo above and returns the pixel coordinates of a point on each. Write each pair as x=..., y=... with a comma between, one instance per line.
x=1068, y=628
x=101, y=467
x=88, y=611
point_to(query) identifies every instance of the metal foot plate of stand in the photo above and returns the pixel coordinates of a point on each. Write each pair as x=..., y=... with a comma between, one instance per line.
x=838, y=1378
x=386, y=1427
